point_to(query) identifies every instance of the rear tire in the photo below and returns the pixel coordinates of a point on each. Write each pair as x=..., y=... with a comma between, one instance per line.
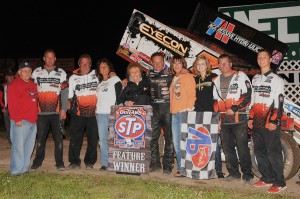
x=291, y=156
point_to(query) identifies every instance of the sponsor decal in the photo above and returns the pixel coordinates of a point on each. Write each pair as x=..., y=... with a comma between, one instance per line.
x=224, y=32
x=166, y=39
x=198, y=145
x=130, y=127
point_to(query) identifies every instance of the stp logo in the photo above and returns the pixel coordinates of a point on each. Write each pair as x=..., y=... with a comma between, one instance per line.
x=198, y=145
x=130, y=126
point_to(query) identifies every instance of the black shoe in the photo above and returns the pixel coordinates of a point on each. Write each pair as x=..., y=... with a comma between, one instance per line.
x=89, y=166
x=231, y=178
x=167, y=171
x=103, y=168
x=73, y=166
x=220, y=175
x=34, y=168
x=61, y=168
x=154, y=169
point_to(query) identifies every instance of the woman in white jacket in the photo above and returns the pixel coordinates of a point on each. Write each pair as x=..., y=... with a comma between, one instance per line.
x=108, y=90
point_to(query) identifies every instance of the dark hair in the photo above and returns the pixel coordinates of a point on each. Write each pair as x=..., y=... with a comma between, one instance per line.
x=87, y=56
x=177, y=58
x=266, y=51
x=222, y=56
x=49, y=50
x=106, y=61
x=160, y=54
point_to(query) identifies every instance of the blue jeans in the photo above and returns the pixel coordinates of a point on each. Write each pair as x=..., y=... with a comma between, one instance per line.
x=176, y=132
x=102, y=121
x=23, y=141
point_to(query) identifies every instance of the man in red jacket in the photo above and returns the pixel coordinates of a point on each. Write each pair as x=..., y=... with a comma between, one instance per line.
x=22, y=106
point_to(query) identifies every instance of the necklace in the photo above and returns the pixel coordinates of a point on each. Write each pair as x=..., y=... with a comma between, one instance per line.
x=201, y=79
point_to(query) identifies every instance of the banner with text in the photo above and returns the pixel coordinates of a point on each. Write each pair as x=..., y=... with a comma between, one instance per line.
x=129, y=139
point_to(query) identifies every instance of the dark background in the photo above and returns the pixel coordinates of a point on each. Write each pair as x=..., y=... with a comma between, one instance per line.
x=28, y=28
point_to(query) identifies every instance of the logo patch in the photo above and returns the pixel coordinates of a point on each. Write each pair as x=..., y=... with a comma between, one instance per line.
x=198, y=145
x=130, y=127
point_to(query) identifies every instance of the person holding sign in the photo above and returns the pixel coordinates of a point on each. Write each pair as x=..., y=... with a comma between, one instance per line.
x=137, y=91
x=182, y=98
x=204, y=97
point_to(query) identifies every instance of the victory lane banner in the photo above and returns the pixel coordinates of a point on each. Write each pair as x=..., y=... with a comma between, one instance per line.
x=129, y=139
x=199, y=135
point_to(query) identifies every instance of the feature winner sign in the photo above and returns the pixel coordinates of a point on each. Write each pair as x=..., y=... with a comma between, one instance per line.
x=129, y=139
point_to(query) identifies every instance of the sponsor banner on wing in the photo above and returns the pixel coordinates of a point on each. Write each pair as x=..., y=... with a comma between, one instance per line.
x=144, y=36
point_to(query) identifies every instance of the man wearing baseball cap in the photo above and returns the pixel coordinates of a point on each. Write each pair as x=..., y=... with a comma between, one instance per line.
x=22, y=106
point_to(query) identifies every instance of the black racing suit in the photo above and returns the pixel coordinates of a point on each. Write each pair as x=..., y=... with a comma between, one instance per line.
x=160, y=101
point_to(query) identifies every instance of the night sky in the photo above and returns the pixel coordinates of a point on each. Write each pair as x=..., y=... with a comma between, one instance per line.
x=93, y=27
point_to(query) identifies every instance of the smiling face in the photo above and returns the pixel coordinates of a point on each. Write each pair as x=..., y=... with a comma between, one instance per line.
x=225, y=66
x=104, y=69
x=177, y=66
x=158, y=63
x=49, y=59
x=135, y=74
x=264, y=60
x=25, y=73
x=84, y=65
x=201, y=66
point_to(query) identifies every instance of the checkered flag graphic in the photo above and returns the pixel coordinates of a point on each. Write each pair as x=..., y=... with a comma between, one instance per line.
x=199, y=134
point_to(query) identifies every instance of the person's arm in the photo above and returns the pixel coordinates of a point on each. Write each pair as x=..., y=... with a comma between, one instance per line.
x=12, y=101
x=216, y=95
x=118, y=89
x=121, y=98
x=64, y=100
x=245, y=97
x=191, y=92
x=276, y=114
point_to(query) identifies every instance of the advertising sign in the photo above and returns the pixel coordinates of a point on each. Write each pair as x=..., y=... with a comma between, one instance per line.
x=280, y=21
x=129, y=139
x=144, y=36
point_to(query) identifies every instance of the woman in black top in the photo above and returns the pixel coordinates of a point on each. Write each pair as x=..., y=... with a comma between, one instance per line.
x=137, y=91
x=204, y=97
x=204, y=84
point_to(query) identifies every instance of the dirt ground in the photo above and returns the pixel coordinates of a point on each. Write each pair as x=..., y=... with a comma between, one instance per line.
x=293, y=190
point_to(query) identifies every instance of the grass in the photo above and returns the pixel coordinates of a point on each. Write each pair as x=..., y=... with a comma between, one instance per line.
x=46, y=185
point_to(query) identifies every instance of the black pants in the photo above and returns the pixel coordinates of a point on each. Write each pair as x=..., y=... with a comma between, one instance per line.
x=43, y=125
x=79, y=125
x=268, y=152
x=236, y=135
x=161, y=120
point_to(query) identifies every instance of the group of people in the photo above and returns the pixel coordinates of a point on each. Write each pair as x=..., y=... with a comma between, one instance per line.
x=35, y=106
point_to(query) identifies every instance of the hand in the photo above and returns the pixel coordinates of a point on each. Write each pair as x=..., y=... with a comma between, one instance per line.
x=129, y=103
x=3, y=110
x=229, y=112
x=250, y=124
x=112, y=74
x=62, y=115
x=272, y=126
x=124, y=82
